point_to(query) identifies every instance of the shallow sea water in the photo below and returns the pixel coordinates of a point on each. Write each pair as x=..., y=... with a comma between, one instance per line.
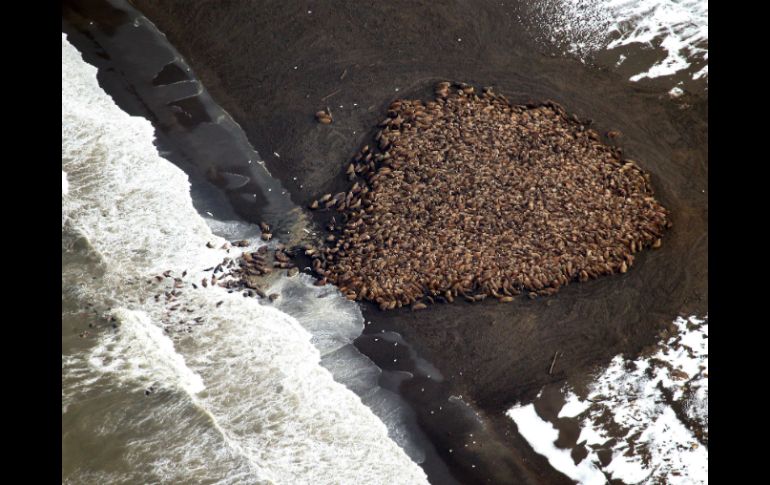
x=150, y=394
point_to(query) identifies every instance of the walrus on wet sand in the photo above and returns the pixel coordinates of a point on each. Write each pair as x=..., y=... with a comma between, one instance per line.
x=469, y=195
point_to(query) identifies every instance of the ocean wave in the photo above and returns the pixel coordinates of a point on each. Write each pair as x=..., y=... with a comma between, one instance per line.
x=650, y=415
x=585, y=27
x=245, y=395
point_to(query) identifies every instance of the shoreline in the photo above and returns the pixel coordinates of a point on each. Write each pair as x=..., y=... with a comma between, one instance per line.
x=502, y=351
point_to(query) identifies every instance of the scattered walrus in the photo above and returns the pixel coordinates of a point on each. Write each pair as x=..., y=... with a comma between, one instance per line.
x=324, y=116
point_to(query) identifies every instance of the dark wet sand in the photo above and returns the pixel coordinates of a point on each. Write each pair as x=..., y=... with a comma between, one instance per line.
x=245, y=55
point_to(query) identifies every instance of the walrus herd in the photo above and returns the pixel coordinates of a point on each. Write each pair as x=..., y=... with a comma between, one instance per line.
x=471, y=196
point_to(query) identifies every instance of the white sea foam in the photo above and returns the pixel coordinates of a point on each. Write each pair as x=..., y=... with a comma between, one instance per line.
x=675, y=92
x=65, y=186
x=657, y=446
x=144, y=353
x=583, y=27
x=333, y=321
x=273, y=413
x=542, y=435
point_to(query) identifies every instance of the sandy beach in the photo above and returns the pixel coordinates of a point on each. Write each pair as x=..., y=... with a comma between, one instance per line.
x=272, y=66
